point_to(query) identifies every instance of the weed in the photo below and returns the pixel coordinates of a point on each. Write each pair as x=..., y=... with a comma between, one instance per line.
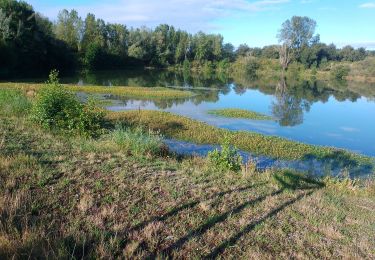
x=226, y=159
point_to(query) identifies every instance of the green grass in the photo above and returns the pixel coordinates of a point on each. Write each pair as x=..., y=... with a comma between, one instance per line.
x=123, y=91
x=13, y=102
x=183, y=128
x=60, y=201
x=137, y=141
x=72, y=197
x=239, y=113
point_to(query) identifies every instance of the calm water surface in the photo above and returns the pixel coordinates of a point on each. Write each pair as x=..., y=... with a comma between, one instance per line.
x=335, y=114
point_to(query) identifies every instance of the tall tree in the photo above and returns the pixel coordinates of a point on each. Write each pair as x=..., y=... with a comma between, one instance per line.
x=295, y=34
x=69, y=28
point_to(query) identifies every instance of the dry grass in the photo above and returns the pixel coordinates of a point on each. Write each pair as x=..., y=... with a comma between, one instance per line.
x=66, y=197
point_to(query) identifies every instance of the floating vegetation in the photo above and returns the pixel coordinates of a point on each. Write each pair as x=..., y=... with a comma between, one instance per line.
x=183, y=128
x=239, y=113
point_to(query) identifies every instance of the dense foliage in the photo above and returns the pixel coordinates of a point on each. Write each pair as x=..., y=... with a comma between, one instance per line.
x=58, y=108
x=29, y=42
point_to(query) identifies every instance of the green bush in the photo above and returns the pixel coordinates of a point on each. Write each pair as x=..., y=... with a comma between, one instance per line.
x=13, y=102
x=137, y=141
x=58, y=108
x=340, y=72
x=226, y=159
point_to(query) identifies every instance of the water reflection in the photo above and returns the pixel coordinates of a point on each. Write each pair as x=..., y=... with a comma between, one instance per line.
x=313, y=112
x=288, y=108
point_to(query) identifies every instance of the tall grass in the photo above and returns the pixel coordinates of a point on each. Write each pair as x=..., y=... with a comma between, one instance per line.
x=13, y=102
x=138, y=141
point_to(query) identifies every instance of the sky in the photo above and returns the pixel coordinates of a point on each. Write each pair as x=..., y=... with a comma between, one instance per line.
x=255, y=23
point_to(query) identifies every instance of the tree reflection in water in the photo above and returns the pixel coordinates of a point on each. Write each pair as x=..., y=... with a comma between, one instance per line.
x=287, y=108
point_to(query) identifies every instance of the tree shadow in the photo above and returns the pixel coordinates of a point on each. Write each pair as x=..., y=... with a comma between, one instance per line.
x=191, y=204
x=287, y=180
x=233, y=240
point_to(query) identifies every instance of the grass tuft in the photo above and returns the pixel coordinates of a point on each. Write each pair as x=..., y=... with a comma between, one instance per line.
x=137, y=141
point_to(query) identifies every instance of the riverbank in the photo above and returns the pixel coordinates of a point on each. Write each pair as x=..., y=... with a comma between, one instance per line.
x=123, y=195
x=63, y=196
x=155, y=93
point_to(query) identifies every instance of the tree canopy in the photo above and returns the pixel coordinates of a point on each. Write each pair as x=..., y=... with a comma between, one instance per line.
x=29, y=41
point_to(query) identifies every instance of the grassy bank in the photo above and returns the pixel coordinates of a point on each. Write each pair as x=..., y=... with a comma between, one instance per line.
x=183, y=128
x=239, y=113
x=131, y=92
x=70, y=197
x=122, y=195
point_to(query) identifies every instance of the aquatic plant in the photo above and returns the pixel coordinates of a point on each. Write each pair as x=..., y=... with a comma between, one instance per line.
x=239, y=113
x=186, y=129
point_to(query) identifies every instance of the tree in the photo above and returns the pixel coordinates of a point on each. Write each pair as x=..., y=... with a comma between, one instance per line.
x=27, y=42
x=69, y=28
x=242, y=50
x=297, y=33
x=285, y=56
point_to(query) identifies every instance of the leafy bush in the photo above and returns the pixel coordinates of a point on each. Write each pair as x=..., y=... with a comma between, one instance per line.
x=137, y=141
x=226, y=159
x=340, y=72
x=13, y=102
x=56, y=107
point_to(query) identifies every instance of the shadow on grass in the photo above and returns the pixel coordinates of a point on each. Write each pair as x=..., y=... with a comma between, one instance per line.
x=287, y=181
x=190, y=205
x=233, y=240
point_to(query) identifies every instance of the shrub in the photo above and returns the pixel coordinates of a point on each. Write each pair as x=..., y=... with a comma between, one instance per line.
x=58, y=108
x=340, y=72
x=227, y=158
x=137, y=141
x=13, y=102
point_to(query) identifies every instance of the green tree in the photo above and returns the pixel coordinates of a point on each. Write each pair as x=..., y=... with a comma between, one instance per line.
x=297, y=33
x=69, y=28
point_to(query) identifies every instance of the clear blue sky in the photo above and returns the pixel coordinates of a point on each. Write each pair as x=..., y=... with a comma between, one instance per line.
x=239, y=21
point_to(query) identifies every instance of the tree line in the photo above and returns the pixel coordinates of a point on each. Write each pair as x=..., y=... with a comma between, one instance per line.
x=30, y=41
